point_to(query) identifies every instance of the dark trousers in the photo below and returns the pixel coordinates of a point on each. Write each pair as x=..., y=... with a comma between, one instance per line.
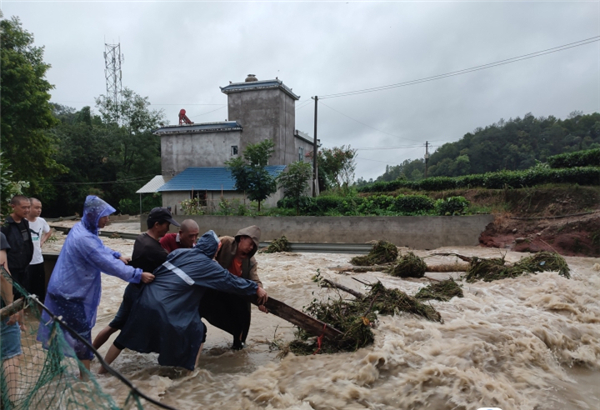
x=226, y=311
x=35, y=281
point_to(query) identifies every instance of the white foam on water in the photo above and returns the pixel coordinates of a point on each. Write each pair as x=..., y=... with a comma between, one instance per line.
x=528, y=343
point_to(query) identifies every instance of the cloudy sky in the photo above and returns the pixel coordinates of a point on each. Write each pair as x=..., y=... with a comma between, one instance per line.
x=179, y=53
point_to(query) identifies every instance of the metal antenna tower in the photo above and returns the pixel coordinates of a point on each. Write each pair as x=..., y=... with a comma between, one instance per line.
x=112, y=71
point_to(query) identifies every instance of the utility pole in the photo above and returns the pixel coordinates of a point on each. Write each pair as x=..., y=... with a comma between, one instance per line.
x=112, y=71
x=315, y=147
x=426, y=156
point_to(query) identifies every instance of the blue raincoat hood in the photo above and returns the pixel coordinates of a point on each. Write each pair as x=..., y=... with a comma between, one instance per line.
x=208, y=244
x=94, y=208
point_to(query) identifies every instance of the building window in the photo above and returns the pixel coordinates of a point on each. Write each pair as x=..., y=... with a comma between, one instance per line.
x=199, y=196
x=234, y=150
x=301, y=154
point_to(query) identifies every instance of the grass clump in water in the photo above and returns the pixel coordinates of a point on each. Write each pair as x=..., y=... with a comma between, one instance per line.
x=389, y=301
x=409, y=266
x=495, y=269
x=545, y=262
x=356, y=318
x=278, y=245
x=444, y=291
x=382, y=252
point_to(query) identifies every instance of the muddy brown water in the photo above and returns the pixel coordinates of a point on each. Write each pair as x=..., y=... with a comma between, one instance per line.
x=526, y=343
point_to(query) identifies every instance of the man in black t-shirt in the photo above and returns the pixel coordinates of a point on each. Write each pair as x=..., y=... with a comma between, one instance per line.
x=16, y=230
x=148, y=255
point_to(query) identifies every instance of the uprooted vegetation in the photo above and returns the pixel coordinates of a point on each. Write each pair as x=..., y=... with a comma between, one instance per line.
x=384, y=256
x=355, y=319
x=409, y=266
x=382, y=252
x=278, y=245
x=496, y=268
x=442, y=291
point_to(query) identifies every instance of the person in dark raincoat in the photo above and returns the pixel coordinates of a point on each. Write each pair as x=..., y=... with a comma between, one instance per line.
x=165, y=318
x=75, y=285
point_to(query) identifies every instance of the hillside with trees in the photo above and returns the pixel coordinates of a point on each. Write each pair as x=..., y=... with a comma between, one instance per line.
x=516, y=144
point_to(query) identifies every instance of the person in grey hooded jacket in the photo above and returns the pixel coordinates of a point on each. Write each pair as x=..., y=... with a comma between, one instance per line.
x=229, y=312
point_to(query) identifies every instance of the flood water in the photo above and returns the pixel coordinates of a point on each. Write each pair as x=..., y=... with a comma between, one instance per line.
x=526, y=343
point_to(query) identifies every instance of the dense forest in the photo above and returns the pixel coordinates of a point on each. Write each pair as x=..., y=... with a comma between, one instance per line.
x=516, y=144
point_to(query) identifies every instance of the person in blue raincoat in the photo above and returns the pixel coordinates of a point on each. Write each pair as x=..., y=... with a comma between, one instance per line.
x=75, y=285
x=165, y=318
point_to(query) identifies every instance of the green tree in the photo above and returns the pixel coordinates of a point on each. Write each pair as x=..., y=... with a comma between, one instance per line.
x=26, y=111
x=84, y=149
x=129, y=125
x=250, y=173
x=132, y=150
x=112, y=154
x=294, y=181
x=336, y=167
x=9, y=187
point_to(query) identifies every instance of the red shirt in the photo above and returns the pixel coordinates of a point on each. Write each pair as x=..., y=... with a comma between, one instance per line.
x=236, y=267
x=169, y=242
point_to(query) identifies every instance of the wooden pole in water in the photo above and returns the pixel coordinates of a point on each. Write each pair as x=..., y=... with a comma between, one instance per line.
x=300, y=319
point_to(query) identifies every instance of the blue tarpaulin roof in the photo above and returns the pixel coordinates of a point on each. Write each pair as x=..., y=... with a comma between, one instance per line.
x=208, y=179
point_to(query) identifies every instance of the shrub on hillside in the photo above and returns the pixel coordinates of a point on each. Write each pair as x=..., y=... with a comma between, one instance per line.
x=413, y=204
x=587, y=158
x=454, y=205
x=497, y=180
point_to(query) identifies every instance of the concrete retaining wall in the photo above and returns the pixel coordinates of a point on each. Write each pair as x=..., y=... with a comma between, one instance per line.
x=418, y=232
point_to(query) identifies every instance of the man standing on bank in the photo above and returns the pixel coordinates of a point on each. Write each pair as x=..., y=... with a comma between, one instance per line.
x=147, y=255
x=227, y=311
x=40, y=232
x=16, y=230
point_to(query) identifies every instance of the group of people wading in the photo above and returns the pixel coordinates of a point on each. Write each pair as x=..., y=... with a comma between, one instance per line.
x=174, y=282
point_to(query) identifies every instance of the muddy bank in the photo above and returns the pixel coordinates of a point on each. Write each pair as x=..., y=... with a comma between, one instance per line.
x=577, y=235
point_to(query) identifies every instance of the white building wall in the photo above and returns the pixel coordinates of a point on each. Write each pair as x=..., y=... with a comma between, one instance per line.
x=181, y=151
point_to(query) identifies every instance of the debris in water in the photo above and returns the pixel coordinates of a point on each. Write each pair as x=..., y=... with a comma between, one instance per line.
x=448, y=267
x=356, y=318
x=278, y=245
x=496, y=268
x=444, y=291
x=409, y=266
x=382, y=252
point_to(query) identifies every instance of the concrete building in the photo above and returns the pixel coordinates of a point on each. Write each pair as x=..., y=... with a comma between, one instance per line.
x=193, y=155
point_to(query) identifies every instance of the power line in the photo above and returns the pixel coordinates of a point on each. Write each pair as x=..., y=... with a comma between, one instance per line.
x=208, y=112
x=374, y=160
x=362, y=123
x=183, y=104
x=306, y=103
x=467, y=70
x=389, y=148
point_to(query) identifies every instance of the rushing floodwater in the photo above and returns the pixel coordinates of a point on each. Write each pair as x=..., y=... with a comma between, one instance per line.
x=526, y=343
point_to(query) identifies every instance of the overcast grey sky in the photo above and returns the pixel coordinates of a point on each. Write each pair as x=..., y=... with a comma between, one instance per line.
x=179, y=53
